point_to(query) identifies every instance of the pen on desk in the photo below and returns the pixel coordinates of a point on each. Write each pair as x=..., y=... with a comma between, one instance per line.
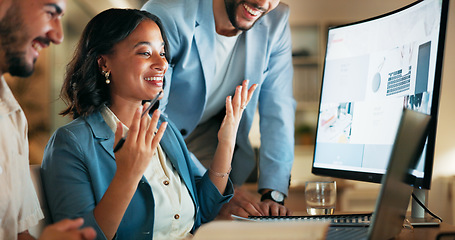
x=122, y=140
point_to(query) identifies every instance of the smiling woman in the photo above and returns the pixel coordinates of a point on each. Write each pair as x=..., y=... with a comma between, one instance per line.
x=120, y=61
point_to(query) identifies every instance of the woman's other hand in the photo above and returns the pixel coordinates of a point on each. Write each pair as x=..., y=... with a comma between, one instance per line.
x=234, y=110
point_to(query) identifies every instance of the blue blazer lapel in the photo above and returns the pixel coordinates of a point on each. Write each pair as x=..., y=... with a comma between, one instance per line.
x=102, y=131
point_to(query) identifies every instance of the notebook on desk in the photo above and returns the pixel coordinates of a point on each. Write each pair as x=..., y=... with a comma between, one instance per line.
x=391, y=205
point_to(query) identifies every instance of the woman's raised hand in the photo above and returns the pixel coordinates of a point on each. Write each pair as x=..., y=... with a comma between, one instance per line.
x=234, y=110
x=140, y=144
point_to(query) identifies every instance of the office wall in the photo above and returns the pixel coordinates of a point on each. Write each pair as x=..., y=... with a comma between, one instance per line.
x=310, y=11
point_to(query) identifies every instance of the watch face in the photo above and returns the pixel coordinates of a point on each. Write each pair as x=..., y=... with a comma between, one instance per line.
x=277, y=196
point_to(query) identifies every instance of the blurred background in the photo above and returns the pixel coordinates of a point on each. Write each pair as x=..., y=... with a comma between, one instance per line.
x=309, y=20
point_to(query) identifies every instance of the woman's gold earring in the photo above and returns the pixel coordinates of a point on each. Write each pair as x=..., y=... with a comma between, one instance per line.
x=106, y=75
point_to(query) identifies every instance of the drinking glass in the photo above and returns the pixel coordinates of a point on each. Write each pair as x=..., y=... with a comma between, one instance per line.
x=320, y=197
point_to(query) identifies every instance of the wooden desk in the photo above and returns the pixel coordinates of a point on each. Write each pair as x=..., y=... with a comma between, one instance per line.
x=426, y=233
x=238, y=230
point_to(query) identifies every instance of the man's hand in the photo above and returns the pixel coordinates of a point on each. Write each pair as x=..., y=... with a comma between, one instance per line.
x=271, y=208
x=68, y=229
x=245, y=204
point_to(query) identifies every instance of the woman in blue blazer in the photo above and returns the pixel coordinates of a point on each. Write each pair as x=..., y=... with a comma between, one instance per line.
x=149, y=188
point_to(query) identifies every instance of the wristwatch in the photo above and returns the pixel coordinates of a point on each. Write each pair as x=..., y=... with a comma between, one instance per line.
x=274, y=196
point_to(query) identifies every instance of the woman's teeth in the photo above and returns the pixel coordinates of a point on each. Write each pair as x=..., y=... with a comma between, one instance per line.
x=153, y=78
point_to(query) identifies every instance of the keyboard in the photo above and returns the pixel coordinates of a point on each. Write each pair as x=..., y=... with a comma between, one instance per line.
x=347, y=233
x=337, y=220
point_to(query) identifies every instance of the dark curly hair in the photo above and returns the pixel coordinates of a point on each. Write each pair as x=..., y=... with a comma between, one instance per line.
x=84, y=89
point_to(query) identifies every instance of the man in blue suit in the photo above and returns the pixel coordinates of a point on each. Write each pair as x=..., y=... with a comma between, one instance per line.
x=214, y=46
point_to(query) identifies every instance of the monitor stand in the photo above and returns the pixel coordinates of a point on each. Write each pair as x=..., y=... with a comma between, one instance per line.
x=418, y=215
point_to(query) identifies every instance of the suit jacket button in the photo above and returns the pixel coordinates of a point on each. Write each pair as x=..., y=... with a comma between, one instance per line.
x=183, y=132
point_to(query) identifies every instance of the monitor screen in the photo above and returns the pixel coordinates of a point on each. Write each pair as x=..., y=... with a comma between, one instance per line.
x=373, y=69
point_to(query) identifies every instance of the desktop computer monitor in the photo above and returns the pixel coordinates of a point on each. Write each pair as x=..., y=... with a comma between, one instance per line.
x=372, y=70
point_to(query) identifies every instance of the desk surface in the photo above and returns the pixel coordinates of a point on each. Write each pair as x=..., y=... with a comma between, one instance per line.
x=241, y=230
x=426, y=233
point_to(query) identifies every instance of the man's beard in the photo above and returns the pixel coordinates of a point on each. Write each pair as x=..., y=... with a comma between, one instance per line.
x=13, y=38
x=231, y=9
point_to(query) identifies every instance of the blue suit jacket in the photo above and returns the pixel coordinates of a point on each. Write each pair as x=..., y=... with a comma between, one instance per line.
x=79, y=164
x=190, y=29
